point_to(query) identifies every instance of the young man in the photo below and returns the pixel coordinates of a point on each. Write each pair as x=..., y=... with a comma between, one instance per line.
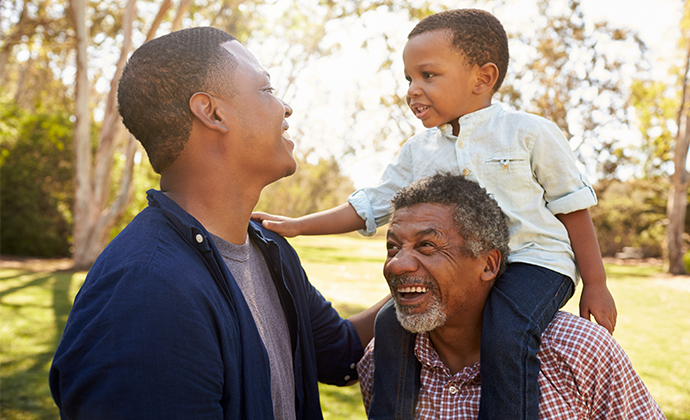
x=447, y=243
x=193, y=311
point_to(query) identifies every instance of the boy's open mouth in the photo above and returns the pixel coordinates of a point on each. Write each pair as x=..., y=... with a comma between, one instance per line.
x=420, y=111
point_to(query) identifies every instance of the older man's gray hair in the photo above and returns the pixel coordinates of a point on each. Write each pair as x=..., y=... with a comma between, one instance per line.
x=479, y=219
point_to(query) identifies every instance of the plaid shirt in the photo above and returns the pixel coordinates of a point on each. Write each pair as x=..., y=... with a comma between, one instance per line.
x=584, y=375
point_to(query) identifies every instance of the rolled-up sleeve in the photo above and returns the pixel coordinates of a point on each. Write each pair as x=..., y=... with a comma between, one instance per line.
x=566, y=189
x=373, y=204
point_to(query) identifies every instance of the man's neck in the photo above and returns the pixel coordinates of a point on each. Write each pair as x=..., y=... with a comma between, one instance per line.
x=224, y=210
x=458, y=347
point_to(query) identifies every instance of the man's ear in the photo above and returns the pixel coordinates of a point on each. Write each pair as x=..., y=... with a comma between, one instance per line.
x=493, y=264
x=487, y=75
x=206, y=109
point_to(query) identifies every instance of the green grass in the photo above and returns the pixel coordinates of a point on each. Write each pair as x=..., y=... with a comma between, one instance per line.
x=653, y=324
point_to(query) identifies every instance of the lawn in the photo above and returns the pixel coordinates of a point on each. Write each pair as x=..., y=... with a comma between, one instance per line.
x=653, y=323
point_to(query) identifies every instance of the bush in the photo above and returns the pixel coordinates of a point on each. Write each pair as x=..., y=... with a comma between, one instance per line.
x=631, y=214
x=36, y=183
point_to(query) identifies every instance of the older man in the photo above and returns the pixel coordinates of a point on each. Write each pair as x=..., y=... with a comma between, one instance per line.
x=447, y=243
x=193, y=312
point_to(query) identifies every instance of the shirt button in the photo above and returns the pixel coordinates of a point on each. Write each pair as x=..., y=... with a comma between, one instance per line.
x=199, y=238
x=453, y=390
x=461, y=145
x=465, y=171
x=347, y=377
x=352, y=366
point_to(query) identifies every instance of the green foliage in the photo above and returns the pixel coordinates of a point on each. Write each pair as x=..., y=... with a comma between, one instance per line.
x=314, y=187
x=656, y=107
x=573, y=72
x=36, y=182
x=631, y=214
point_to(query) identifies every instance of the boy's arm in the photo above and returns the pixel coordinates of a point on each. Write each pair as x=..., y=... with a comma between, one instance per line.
x=341, y=219
x=596, y=298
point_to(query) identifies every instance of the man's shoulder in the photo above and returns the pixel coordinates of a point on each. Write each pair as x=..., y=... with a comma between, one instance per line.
x=149, y=254
x=578, y=340
x=148, y=234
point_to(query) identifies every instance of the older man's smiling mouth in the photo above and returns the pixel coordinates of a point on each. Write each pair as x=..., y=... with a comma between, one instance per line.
x=411, y=295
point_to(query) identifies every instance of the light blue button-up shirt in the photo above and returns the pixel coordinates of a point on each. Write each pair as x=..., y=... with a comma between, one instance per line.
x=524, y=161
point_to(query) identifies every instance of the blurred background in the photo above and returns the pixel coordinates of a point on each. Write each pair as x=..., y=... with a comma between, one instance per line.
x=612, y=74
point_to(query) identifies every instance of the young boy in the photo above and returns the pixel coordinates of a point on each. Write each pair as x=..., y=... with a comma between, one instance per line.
x=455, y=61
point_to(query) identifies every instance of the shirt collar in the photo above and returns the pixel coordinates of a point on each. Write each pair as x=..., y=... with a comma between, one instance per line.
x=190, y=228
x=426, y=354
x=473, y=118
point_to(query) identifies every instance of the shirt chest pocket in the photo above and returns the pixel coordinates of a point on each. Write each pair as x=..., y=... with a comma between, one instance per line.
x=509, y=178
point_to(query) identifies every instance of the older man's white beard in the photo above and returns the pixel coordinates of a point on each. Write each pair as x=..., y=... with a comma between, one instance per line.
x=433, y=317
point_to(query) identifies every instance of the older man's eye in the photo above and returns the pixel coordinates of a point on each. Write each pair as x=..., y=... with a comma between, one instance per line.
x=427, y=247
x=392, y=249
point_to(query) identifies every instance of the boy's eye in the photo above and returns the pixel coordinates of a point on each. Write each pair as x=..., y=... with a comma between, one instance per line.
x=270, y=89
x=427, y=75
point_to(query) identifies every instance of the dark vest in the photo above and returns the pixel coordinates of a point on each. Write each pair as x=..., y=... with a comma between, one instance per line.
x=397, y=371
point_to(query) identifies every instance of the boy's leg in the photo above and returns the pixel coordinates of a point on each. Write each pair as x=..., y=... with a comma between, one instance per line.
x=520, y=306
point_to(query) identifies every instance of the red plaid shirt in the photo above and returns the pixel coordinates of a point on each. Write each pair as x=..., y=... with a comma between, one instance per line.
x=584, y=375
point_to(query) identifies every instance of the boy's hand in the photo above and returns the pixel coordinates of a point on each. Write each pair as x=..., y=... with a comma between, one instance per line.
x=284, y=226
x=596, y=300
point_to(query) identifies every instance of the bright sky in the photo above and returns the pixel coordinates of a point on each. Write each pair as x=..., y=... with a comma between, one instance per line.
x=325, y=98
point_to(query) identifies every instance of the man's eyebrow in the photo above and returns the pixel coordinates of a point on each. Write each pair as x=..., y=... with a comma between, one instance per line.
x=428, y=232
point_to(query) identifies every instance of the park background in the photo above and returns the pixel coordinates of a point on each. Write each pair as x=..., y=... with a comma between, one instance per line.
x=611, y=74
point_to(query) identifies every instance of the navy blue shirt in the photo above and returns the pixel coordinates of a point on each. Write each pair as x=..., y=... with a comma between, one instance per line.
x=161, y=330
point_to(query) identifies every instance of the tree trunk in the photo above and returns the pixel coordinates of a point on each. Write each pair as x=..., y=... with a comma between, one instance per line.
x=93, y=219
x=181, y=11
x=680, y=181
x=82, y=141
x=93, y=216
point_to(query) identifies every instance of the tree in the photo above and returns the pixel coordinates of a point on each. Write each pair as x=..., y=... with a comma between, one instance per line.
x=36, y=182
x=575, y=75
x=680, y=180
x=661, y=108
x=93, y=217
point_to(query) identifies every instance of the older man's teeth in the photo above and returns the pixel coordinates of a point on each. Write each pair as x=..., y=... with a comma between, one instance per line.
x=417, y=289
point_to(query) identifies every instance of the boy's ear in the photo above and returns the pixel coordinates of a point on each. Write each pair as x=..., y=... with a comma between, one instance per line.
x=487, y=75
x=206, y=109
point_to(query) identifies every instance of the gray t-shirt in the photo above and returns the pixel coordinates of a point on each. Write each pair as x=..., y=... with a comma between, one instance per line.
x=248, y=267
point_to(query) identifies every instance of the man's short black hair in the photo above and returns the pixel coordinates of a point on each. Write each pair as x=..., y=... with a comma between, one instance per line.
x=159, y=79
x=476, y=34
x=478, y=218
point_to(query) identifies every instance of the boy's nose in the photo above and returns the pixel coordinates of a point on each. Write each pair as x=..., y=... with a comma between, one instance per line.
x=413, y=90
x=288, y=108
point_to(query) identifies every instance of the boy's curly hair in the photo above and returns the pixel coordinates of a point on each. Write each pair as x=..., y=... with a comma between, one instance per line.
x=475, y=33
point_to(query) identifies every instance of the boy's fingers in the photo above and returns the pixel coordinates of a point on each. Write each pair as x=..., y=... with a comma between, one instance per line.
x=607, y=323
